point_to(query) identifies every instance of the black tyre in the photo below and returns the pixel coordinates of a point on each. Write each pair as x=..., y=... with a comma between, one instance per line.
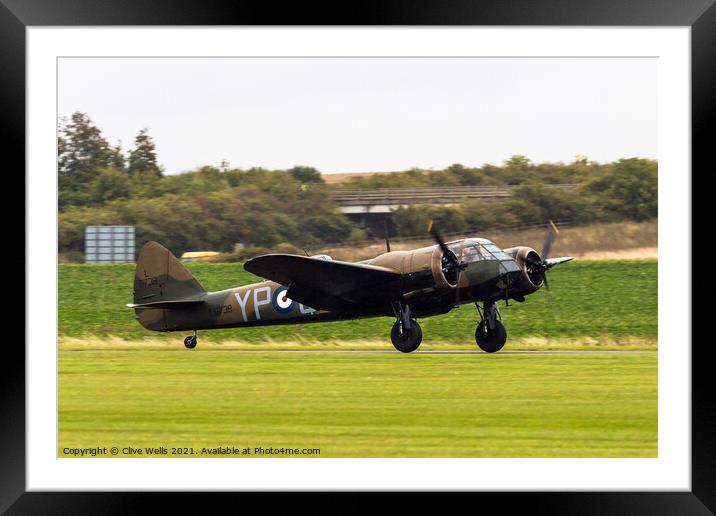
x=190, y=342
x=491, y=341
x=410, y=340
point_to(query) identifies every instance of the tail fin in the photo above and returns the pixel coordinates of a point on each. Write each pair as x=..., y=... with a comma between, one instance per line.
x=161, y=281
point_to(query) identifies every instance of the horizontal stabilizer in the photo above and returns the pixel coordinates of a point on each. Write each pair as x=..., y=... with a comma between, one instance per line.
x=180, y=303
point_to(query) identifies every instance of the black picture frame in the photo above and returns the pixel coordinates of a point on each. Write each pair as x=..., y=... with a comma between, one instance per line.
x=16, y=15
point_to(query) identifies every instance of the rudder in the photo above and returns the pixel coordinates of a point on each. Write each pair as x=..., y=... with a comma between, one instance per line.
x=160, y=279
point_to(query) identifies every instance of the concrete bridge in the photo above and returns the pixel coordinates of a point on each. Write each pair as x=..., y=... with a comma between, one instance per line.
x=382, y=201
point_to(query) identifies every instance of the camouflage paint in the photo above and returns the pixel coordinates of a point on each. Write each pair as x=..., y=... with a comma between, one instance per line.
x=177, y=302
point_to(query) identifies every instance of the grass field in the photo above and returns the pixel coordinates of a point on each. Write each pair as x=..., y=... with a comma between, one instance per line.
x=596, y=303
x=361, y=404
x=120, y=385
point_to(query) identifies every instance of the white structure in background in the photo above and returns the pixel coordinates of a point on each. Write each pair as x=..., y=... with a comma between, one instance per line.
x=109, y=244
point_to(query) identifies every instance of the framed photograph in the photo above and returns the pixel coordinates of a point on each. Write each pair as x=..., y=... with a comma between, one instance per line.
x=382, y=174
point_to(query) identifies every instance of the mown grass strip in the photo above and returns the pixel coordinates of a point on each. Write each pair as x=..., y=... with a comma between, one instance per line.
x=362, y=405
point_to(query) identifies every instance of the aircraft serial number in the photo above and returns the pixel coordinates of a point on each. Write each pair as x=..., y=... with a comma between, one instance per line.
x=223, y=309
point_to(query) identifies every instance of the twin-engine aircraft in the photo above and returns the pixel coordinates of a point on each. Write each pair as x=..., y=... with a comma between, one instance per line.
x=406, y=285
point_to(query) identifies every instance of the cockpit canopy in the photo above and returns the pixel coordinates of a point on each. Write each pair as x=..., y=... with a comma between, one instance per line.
x=475, y=249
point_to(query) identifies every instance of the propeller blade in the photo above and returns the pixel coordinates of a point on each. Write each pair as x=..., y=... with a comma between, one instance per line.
x=552, y=232
x=548, y=264
x=445, y=249
x=456, y=262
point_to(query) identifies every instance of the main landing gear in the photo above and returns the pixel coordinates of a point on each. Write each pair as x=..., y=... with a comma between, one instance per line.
x=490, y=334
x=190, y=341
x=406, y=333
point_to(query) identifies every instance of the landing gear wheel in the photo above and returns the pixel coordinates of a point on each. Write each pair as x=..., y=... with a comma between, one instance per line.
x=409, y=340
x=491, y=341
x=190, y=342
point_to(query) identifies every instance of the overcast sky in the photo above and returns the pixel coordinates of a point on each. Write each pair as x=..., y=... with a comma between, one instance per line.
x=368, y=114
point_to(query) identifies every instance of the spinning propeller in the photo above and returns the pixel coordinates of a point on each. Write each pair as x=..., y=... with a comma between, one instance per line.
x=537, y=267
x=451, y=265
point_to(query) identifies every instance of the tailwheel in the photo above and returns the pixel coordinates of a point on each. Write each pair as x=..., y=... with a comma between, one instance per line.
x=406, y=339
x=190, y=341
x=491, y=341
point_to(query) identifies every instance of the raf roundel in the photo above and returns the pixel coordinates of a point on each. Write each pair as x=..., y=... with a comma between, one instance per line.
x=281, y=303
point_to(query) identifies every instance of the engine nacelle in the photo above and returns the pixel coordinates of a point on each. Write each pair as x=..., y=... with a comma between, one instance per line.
x=531, y=279
x=429, y=267
x=426, y=269
x=444, y=277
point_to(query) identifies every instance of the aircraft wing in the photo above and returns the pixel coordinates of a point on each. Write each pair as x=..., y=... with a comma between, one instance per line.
x=324, y=284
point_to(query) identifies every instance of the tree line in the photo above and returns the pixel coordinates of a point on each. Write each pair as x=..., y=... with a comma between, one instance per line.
x=624, y=190
x=516, y=170
x=214, y=209
x=91, y=171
